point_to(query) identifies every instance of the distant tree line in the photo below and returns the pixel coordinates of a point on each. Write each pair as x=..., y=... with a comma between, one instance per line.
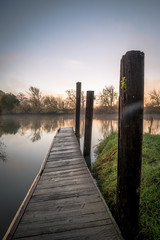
x=31, y=102
x=34, y=102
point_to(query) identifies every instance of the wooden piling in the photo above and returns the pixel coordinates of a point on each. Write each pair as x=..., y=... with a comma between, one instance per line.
x=88, y=123
x=78, y=108
x=130, y=134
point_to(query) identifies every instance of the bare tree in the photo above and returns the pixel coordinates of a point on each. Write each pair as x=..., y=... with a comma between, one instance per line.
x=35, y=99
x=50, y=104
x=107, y=97
x=70, y=101
x=60, y=104
x=155, y=97
x=24, y=106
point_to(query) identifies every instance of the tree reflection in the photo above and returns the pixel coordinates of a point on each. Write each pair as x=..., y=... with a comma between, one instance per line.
x=36, y=135
x=108, y=126
x=9, y=127
x=34, y=124
x=150, y=127
x=151, y=123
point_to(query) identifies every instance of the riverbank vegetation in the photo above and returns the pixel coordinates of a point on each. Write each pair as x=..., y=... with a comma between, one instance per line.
x=105, y=172
x=33, y=101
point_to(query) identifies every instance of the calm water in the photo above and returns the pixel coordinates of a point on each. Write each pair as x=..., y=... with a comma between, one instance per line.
x=24, y=142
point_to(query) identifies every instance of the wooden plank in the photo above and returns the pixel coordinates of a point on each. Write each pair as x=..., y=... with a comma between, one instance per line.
x=51, y=169
x=63, y=191
x=65, y=203
x=65, y=162
x=52, y=158
x=66, y=173
x=100, y=233
x=60, y=150
x=63, y=196
x=48, y=228
x=61, y=219
x=63, y=148
x=62, y=183
x=63, y=156
x=63, y=208
x=62, y=177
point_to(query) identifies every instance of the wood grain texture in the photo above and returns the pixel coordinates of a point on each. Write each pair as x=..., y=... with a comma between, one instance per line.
x=130, y=136
x=66, y=203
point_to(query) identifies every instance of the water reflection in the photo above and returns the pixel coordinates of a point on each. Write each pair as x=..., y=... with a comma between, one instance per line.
x=35, y=125
x=24, y=141
x=9, y=126
x=151, y=123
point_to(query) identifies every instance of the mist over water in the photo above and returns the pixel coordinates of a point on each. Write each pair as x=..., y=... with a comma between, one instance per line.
x=24, y=142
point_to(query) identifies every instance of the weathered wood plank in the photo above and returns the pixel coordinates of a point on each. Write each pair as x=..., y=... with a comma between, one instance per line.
x=55, y=158
x=63, y=156
x=65, y=162
x=64, y=195
x=63, y=190
x=100, y=233
x=60, y=148
x=62, y=209
x=62, y=226
x=63, y=202
x=51, y=169
x=66, y=203
x=65, y=151
x=62, y=183
x=66, y=173
x=62, y=177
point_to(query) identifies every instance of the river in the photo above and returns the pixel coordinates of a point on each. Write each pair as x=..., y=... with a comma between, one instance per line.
x=24, y=142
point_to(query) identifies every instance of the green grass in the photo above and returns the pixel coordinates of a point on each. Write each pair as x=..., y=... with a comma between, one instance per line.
x=105, y=171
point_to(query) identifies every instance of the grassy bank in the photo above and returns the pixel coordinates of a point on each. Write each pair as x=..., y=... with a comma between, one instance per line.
x=105, y=171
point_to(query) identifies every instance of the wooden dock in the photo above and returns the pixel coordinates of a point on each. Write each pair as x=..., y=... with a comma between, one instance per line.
x=64, y=201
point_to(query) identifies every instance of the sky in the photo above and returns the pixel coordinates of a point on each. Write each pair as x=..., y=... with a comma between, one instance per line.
x=52, y=44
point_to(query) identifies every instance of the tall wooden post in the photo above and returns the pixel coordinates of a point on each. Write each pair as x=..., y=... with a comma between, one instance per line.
x=88, y=123
x=130, y=134
x=78, y=108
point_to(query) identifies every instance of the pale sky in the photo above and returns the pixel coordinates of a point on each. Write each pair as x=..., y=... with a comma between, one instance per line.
x=52, y=44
